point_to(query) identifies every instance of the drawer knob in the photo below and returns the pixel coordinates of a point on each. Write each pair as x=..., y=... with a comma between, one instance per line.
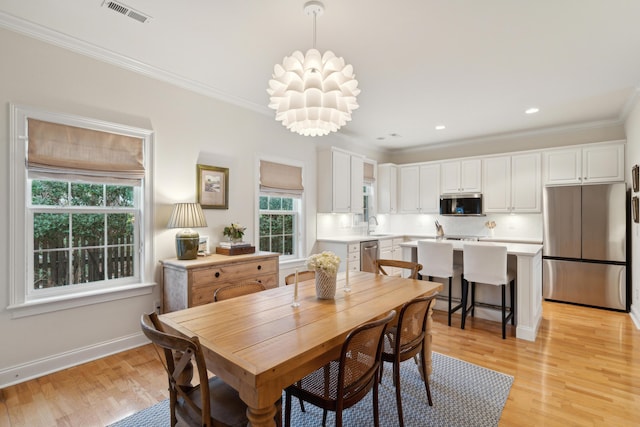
x=217, y=274
x=259, y=267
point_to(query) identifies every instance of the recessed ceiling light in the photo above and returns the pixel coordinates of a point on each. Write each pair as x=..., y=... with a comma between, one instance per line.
x=440, y=127
x=531, y=110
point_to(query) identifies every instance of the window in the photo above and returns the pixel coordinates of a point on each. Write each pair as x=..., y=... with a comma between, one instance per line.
x=278, y=226
x=81, y=211
x=280, y=209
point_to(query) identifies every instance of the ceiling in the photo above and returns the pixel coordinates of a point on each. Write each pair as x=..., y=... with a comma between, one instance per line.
x=474, y=66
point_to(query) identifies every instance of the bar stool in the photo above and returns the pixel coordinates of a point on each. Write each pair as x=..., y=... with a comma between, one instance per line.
x=437, y=261
x=487, y=263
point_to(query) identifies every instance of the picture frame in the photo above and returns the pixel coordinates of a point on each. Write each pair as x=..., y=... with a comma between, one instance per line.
x=212, y=187
x=635, y=208
x=635, y=171
x=203, y=245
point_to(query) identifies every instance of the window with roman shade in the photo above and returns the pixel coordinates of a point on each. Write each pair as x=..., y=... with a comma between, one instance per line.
x=280, y=205
x=81, y=198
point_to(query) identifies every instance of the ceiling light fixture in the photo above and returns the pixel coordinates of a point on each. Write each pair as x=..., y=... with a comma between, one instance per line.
x=313, y=94
x=531, y=110
x=440, y=127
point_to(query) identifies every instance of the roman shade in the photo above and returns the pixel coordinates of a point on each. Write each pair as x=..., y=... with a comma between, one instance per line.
x=59, y=148
x=280, y=179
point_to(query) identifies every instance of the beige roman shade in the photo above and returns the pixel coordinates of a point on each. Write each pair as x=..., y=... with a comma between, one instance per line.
x=56, y=147
x=280, y=179
x=368, y=173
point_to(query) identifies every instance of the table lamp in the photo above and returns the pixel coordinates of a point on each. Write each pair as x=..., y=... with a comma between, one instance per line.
x=187, y=216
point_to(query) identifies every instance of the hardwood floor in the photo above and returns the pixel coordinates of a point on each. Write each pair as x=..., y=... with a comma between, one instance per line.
x=583, y=370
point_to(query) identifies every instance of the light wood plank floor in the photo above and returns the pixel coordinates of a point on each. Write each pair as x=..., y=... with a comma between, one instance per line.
x=583, y=370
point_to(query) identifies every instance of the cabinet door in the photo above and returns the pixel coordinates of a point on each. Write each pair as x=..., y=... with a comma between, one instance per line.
x=526, y=185
x=409, y=189
x=429, y=188
x=450, y=177
x=603, y=164
x=496, y=173
x=470, y=176
x=387, y=186
x=563, y=167
x=356, y=203
x=341, y=185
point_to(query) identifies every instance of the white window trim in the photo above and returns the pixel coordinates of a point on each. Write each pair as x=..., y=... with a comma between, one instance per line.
x=19, y=304
x=301, y=237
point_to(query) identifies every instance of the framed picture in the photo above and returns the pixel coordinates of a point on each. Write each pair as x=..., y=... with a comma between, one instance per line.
x=634, y=209
x=634, y=176
x=203, y=245
x=213, y=187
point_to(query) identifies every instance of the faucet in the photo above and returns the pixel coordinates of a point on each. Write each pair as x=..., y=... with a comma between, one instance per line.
x=375, y=221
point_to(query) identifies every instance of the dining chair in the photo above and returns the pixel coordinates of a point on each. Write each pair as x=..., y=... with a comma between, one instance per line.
x=405, y=265
x=437, y=261
x=406, y=341
x=236, y=290
x=487, y=263
x=342, y=383
x=302, y=276
x=212, y=404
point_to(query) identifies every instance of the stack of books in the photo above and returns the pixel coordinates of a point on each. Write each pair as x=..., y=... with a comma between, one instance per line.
x=235, y=248
x=234, y=244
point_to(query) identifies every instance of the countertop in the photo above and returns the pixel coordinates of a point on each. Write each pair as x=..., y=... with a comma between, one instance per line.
x=527, y=249
x=363, y=238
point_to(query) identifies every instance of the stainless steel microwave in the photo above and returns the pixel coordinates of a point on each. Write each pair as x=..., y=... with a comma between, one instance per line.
x=468, y=204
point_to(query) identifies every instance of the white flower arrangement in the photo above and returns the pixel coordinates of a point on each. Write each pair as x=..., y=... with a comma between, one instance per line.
x=326, y=261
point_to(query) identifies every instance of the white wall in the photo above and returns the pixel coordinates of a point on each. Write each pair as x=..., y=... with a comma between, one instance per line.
x=632, y=127
x=189, y=128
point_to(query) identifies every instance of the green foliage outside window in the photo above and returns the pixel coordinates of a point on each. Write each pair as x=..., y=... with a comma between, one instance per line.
x=89, y=237
x=277, y=225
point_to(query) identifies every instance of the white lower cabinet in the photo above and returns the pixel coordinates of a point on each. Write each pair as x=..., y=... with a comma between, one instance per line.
x=349, y=253
x=390, y=249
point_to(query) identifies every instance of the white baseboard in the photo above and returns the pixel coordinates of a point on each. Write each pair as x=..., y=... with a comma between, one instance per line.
x=635, y=315
x=37, y=368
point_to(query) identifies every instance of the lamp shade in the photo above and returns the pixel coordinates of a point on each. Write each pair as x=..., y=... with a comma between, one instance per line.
x=187, y=215
x=313, y=94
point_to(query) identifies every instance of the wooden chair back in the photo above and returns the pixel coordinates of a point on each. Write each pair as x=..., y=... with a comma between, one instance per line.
x=302, y=276
x=178, y=355
x=232, y=291
x=413, y=267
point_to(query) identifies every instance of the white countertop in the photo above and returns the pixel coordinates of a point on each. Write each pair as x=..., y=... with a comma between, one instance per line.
x=527, y=249
x=358, y=238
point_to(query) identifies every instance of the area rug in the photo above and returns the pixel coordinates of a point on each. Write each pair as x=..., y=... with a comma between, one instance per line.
x=463, y=395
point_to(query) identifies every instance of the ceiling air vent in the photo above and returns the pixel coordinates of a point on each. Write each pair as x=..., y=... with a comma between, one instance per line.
x=126, y=11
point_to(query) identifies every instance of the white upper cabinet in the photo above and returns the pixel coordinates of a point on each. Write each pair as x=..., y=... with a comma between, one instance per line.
x=387, y=188
x=462, y=176
x=512, y=183
x=419, y=188
x=590, y=164
x=340, y=181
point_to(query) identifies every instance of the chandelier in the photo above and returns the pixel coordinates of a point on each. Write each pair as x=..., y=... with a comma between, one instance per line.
x=313, y=94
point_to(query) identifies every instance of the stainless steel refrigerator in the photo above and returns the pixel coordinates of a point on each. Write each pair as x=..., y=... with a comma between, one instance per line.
x=585, y=245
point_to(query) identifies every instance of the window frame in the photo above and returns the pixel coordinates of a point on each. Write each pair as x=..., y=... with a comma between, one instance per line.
x=296, y=213
x=21, y=299
x=300, y=243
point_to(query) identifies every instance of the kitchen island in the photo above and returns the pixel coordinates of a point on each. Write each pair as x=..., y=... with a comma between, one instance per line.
x=528, y=310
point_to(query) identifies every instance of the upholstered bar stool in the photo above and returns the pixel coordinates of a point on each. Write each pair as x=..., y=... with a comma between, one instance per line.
x=487, y=263
x=437, y=261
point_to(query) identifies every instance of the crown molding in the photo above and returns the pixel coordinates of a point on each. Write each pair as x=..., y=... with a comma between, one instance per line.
x=73, y=44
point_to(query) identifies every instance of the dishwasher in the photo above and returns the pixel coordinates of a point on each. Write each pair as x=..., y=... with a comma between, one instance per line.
x=368, y=255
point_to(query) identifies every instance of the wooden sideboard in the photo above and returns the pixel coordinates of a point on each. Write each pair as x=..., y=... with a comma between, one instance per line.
x=193, y=282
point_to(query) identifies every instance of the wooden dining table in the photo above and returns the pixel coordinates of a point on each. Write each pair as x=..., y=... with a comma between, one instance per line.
x=260, y=344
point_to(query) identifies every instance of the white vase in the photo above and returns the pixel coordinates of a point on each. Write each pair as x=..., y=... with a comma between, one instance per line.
x=325, y=285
